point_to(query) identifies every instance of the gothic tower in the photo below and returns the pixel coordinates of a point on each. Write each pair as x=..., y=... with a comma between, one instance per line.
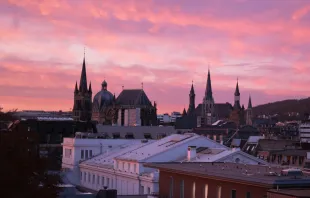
x=191, y=106
x=237, y=98
x=249, y=113
x=82, y=108
x=208, y=116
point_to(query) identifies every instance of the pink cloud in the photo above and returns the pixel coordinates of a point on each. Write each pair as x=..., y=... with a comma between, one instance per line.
x=164, y=44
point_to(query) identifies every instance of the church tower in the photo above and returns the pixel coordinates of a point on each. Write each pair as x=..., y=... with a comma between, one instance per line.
x=208, y=116
x=237, y=98
x=191, y=106
x=249, y=113
x=82, y=108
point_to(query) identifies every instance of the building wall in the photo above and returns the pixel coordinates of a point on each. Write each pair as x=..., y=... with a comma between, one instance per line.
x=124, y=182
x=200, y=184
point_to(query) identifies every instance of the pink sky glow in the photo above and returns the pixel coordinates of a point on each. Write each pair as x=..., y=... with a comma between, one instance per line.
x=163, y=43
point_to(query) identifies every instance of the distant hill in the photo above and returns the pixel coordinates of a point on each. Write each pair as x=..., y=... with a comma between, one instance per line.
x=286, y=109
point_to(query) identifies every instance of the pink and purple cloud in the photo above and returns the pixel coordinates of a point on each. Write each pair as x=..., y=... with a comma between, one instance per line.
x=163, y=43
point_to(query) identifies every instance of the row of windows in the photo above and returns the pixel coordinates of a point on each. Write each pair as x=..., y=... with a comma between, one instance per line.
x=96, y=179
x=206, y=190
x=127, y=167
x=90, y=152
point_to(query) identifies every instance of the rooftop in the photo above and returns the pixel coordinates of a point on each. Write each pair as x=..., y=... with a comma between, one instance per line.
x=158, y=147
x=292, y=192
x=268, y=176
x=106, y=159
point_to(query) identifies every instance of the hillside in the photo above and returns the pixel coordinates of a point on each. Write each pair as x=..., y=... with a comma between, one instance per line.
x=284, y=108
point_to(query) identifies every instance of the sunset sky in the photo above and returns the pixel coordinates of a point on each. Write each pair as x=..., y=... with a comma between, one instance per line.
x=163, y=43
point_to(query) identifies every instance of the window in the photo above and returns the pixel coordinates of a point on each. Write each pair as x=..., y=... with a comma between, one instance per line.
x=93, y=179
x=90, y=153
x=89, y=177
x=219, y=192
x=84, y=177
x=68, y=153
x=148, y=190
x=123, y=165
x=128, y=167
x=111, y=182
x=248, y=195
x=142, y=190
x=82, y=154
x=206, y=191
x=102, y=181
x=81, y=177
x=108, y=181
x=233, y=194
x=194, y=190
x=171, y=187
x=135, y=168
x=86, y=154
x=98, y=179
x=182, y=189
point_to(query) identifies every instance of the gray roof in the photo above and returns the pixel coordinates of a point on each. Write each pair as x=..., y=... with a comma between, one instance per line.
x=305, y=193
x=274, y=145
x=250, y=174
x=135, y=97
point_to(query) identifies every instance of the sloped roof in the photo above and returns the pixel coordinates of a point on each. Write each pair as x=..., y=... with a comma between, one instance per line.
x=133, y=97
x=270, y=144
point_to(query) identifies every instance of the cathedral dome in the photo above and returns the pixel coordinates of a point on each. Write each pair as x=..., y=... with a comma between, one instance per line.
x=103, y=98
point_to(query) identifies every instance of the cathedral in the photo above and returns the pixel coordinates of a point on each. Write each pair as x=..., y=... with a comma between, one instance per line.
x=132, y=107
x=208, y=112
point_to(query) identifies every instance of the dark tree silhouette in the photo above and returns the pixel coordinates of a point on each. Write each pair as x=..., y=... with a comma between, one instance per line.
x=23, y=172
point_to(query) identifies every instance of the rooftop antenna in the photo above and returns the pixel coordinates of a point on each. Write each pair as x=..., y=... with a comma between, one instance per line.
x=122, y=87
x=142, y=85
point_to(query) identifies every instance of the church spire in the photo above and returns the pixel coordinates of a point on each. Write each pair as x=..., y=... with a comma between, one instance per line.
x=76, y=88
x=208, y=93
x=90, y=89
x=250, y=103
x=83, y=80
x=184, y=112
x=192, y=89
x=237, y=97
x=237, y=93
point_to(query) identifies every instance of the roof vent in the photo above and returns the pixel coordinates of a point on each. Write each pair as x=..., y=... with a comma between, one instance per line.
x=144, y=141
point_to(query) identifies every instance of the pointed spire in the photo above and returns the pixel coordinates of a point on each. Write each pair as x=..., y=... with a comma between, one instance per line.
x=192, y=92
x=83, y=79
x=237, y=93
x=90, y=89
x=76, y=88
x=250, y=103
x=184, y=112
x=208, y=93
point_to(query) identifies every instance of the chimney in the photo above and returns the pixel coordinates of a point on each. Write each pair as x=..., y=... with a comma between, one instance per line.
x=191, y=153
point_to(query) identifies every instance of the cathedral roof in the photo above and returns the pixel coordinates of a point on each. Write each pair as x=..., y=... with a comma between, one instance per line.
x=221, y=109
x=133, y=97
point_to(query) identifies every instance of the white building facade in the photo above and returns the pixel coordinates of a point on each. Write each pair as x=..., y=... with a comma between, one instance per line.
x=121, y=167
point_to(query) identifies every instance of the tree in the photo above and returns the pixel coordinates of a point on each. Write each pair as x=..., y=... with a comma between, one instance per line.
x=23, y=172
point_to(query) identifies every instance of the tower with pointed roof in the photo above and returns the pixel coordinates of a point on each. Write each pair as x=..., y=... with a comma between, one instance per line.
x=82, y=108
x=191, y=106
x=237, y=97
x=208, y=113
x=249, y=112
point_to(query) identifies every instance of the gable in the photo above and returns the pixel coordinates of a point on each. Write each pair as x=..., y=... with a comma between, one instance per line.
x=241, y=158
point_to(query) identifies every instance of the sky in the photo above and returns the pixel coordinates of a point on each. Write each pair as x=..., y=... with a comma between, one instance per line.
x=166, y=44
